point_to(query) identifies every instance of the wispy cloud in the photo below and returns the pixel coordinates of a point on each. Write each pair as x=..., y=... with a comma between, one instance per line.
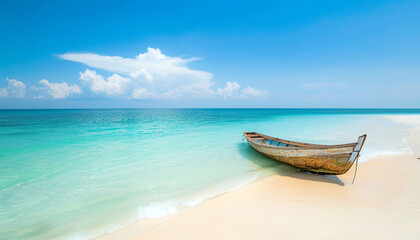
x=56, y=90
x=3, y=92
x=250, y=92
x=145, y=66
x=232, y=90
x=15, y=89
x=163, y=75
x=152, y=75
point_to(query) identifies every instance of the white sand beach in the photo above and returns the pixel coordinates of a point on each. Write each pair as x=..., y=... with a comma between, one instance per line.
x=383, y=203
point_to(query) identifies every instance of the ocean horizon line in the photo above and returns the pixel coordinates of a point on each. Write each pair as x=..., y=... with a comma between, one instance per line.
x=198, y=108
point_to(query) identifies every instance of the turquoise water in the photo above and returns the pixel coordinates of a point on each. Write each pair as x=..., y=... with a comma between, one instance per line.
x=79, y=173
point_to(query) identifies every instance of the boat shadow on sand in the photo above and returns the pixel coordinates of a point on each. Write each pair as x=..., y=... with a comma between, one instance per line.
x=283, y=169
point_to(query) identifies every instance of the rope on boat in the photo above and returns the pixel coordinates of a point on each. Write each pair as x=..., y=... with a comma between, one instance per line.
x=355, y=171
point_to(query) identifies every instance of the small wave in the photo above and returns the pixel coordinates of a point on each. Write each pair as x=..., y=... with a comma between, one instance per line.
x=165, y=208
x=157, y=210
x=369, y=155
x=391, y=138
x=79, y=236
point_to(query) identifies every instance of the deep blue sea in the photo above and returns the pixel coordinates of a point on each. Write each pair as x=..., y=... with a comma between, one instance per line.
x=75, y=174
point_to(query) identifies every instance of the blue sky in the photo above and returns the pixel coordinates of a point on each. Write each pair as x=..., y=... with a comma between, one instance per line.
x=79, y=54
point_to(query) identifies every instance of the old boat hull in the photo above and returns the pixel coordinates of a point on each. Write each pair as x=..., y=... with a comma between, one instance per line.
x=327, y=159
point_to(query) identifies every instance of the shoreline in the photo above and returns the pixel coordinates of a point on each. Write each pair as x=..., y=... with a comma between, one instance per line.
x=381, y=203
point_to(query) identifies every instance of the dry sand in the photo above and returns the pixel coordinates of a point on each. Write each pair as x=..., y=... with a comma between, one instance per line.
x=383, y=203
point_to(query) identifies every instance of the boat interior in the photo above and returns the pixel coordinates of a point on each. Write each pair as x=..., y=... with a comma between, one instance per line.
x=277, y=142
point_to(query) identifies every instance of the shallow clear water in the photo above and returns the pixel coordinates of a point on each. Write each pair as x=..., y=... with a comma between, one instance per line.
x=79, y=173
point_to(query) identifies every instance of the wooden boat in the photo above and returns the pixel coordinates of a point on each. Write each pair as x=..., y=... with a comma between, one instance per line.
x=327, y=159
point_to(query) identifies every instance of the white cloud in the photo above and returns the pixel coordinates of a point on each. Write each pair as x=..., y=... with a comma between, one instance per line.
x=250, y=92
x=149, y=75
x=57, y=90
x=232, y=90
x=198, y=90
x=114, y=85
x=142, y=74
x=3, y=92
x=150, y=66
x=16, y=89
x=142, y=93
